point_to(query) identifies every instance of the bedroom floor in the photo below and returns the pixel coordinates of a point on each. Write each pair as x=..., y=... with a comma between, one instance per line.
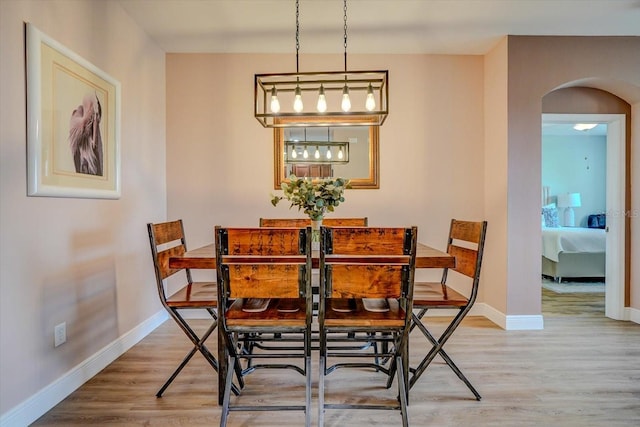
x=572, y=304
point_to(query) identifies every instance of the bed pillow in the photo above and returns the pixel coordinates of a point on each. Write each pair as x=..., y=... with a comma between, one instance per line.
x=550, y=215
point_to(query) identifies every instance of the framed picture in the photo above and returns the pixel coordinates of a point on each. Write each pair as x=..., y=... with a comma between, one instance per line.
x=73, y=123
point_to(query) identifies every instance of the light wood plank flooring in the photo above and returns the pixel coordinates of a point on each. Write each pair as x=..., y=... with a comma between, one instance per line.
x=581, y=370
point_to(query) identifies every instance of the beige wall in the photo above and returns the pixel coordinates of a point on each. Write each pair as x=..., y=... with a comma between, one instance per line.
x=537, y=66
x=494, y=269
x=462, y=139
x=635, y=210
x=219, y=168
x=83, y=261
x=498, y=96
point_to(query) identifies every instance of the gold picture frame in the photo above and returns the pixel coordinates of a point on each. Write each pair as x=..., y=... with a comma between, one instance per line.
x=73, y=123
x=370, y=179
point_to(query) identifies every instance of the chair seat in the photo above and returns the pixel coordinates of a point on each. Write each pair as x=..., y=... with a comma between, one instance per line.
x=279, y=312
x=197, y=294
x=430, y=294
x=359, y=316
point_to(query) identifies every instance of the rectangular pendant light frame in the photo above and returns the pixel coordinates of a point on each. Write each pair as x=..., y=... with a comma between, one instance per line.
x=333, y=82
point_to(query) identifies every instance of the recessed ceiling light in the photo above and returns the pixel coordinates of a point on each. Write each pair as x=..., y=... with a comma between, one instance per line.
x=584, y=126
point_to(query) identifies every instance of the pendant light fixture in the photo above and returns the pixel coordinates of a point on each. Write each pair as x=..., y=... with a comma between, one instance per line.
x=322, y=100
x=347, y=97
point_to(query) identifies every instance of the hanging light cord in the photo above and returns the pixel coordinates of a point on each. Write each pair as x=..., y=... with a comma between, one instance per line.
x=298, y=33
x=345, y=36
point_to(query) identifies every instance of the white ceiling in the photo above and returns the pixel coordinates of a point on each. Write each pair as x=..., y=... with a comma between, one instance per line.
x=374, y=26
x=566, y=129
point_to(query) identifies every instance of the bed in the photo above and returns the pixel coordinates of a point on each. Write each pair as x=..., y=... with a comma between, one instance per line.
x=570, y=252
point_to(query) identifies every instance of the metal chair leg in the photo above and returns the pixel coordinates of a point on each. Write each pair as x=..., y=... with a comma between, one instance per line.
x=227, y=392
x=198, y=345
x=177, y=371
x=402, y=392
x=438, y=349
x=307, y=410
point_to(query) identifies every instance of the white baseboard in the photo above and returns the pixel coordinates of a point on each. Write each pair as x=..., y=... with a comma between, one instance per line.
x=509, y=323
x=634, y=315
x=38, y=404
x=524, y=323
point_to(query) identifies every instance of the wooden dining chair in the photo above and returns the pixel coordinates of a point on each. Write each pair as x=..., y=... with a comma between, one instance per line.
x=366, y=288
x=167, y=239
x=264, y=281
x=466, y=243
x=305, y=222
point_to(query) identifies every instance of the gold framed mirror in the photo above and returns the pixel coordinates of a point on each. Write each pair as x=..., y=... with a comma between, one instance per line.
x=362, y=168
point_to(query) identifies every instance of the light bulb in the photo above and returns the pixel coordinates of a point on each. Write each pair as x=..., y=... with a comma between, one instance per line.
x=305, y=153
x=294, y=154
x=370, y=103
x=317, y=153
x=328, y=153
x=275, y=104
x=346, y=102
x=297, y=102
x=322, y=101
x=340, y=154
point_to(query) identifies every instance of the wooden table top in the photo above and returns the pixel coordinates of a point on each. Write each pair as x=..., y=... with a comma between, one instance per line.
x=205, y=258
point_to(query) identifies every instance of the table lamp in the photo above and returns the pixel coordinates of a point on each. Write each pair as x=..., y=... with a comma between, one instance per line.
x=568, y=202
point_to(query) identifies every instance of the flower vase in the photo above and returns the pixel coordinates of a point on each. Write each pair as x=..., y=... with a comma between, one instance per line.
x=315, y=234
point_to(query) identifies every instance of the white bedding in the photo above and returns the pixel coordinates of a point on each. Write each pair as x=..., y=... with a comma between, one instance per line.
x=572, y=239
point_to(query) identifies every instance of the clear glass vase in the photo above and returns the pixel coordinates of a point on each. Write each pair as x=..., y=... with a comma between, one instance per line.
x=315, y=234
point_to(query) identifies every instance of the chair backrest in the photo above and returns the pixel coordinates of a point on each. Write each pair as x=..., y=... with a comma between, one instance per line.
x=369, y=262
x=263, y=242
x=305, y=222
x=367, y=240
x=263, y=262
x=468, y=255
x=167, y=240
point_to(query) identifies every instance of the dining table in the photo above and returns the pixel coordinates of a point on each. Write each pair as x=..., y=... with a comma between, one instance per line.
x=205, y=258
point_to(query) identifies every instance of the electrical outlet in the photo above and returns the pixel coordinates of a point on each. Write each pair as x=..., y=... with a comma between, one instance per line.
x=60, y=334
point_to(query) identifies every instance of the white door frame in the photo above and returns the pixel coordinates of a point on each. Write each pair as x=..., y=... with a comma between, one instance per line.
x=615, y=209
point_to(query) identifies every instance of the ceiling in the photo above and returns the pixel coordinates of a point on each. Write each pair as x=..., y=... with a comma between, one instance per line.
x=566, y=129
x=374, y=26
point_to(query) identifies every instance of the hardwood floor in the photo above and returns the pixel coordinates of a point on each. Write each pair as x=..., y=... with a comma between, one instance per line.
x=581, y=370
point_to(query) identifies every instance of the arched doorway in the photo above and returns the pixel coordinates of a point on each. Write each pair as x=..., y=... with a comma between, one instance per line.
x=614, y=176
x=594, y=105
x=533, y=67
